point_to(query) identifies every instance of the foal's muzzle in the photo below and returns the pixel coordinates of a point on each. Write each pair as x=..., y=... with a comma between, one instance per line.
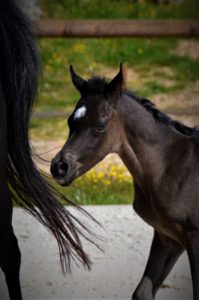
x=64, y=169
x=59, y=169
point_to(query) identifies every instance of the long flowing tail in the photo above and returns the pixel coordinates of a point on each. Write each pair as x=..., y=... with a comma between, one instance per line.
x=19, y=67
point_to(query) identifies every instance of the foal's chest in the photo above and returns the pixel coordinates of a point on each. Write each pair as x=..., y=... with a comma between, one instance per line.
x=158, y=218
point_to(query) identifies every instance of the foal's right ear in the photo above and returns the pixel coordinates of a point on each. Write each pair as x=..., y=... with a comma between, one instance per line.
x=78, y=82
x=117, y=85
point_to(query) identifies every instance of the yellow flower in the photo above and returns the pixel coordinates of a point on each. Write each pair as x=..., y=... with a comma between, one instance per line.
x=79, y=47
x=140, y=50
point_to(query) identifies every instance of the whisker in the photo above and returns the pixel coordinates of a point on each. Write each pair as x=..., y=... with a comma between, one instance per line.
x=43, y=153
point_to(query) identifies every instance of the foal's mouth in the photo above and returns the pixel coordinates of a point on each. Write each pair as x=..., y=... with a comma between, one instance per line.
x=66, y=180
x=63, y=182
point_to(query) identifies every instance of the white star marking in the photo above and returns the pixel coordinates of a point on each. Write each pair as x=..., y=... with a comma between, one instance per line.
x=80, y=112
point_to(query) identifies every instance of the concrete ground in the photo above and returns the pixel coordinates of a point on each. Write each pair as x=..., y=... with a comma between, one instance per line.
x=115, y=273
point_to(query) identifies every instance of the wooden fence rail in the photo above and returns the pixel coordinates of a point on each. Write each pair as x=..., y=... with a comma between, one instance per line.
x=117, y=28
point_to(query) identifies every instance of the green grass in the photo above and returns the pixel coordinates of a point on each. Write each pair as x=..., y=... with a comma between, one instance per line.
x=48, y=129
x=85, y=192
x=147, y=57
x=117, y=9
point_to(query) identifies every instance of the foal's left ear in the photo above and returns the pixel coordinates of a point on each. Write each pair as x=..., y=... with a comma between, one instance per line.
x=117, y=85
x=78, y=82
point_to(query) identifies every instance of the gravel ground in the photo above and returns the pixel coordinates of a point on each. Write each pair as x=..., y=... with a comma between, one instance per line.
x=115, y=273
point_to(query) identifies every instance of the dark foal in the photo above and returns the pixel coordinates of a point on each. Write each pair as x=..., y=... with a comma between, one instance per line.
x=20, y=180
x=163, y=157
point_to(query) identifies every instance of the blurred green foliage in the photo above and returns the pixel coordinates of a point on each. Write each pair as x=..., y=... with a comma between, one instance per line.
x=102, y=56
x=147, y=57
x=117, y=9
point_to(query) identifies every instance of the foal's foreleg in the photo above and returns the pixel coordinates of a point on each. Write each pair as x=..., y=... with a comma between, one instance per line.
x=161, y=260
x=10, y=257
x=193, y=254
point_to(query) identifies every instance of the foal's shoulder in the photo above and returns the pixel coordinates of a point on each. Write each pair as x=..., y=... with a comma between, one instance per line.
x=195, y=143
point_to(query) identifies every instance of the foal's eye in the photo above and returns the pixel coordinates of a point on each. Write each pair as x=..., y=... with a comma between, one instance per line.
x=100, y=128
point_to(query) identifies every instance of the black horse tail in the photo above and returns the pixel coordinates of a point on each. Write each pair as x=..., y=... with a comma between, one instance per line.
x=19, y=69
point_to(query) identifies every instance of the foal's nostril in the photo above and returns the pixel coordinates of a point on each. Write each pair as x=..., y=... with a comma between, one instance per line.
x=62, y=168
x=59, y=169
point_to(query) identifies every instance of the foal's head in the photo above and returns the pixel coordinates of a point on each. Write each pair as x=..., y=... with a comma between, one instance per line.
x=94, y=127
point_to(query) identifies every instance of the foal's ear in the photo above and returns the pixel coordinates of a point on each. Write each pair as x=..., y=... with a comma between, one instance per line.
x=117, y=85
x=78, y=82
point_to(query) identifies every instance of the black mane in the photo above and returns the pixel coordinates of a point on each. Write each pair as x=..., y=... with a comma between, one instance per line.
x=162, y=117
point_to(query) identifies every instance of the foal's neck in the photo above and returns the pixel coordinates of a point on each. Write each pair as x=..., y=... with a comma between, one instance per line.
x=146, y=142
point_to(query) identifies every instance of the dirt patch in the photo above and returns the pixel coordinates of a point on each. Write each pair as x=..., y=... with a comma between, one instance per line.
x=188, y=48
x=185, y=102
x=160, y=75
x=111, y=72
x=133, y=78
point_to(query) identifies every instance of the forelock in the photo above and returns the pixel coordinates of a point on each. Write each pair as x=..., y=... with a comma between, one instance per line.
x=97, y=85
